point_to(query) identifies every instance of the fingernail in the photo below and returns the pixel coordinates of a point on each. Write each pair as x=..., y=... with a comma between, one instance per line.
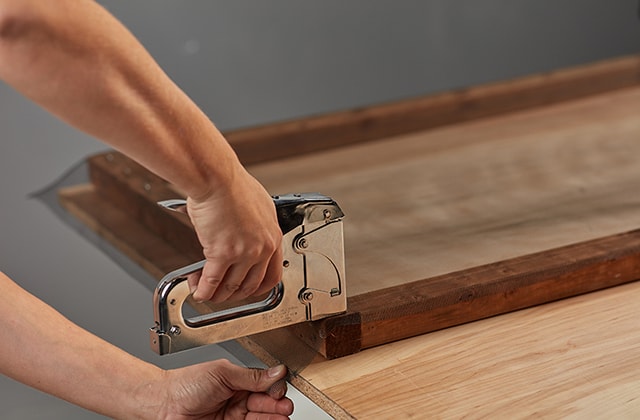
x=275, y=371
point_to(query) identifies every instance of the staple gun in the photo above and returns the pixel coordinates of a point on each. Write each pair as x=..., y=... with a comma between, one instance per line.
x=312, y=285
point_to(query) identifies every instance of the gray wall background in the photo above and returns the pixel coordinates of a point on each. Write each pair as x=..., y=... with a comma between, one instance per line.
x=254, y=62
x=249, y=62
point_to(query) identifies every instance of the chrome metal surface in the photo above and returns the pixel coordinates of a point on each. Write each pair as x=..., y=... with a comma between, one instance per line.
x=177, y=204
x=312, y=285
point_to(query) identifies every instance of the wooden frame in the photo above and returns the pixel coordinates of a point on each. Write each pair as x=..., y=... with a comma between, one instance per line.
x=164, y=241
x=308, y=135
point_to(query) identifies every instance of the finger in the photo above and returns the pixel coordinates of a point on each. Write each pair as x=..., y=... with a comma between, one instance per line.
x=256, y=380
x=192, y=280
x=212, y=275
x=251, y=282
x=231, y=283
x=273, y=274
x=262, y=403
x=278, y=390
x=265, y=416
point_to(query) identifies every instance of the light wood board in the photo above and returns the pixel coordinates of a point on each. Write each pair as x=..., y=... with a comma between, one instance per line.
x=437, y=201
x=429, y=204
x=576, y=358
x=472, y=194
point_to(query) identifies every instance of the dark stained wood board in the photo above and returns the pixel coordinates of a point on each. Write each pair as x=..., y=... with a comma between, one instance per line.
x=422, y=304
x=323, y=132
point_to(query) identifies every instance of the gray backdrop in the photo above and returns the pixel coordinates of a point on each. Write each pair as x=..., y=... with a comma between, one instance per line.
x=253, y=62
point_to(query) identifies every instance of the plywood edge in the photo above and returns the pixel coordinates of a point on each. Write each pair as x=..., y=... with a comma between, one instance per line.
x=316, y=133
x=262, y=348
x=427, y=305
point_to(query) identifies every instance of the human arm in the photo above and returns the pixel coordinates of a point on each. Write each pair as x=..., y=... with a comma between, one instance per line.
x=77, y=61
x=43, y=349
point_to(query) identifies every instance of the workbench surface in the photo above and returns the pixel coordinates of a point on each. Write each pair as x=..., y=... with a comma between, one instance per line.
x=489, y=190
x=442, y=200
x=575, y=358
x=502, y=209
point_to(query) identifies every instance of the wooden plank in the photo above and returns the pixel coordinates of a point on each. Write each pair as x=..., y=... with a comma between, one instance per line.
x=115, y=224
x=129, y=186
x=475, y=194
x=440, y=201
x=575, y=358
x=455, y=298
x=506, y=187
x=436, y=299
x=494, y=191
x=419, y=307
x=317, y=133
x=457, y=223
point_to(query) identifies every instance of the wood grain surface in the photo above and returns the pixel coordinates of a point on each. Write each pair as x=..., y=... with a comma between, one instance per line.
x=425, y=210
x=576, y=358
x=115, y=224
x=511, y=210
x=334, y=130
x=443, y=200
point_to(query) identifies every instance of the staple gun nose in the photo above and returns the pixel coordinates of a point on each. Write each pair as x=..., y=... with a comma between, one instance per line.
x=312, y=285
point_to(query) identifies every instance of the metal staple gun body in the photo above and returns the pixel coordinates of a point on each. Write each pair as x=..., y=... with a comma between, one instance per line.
x=312, y=285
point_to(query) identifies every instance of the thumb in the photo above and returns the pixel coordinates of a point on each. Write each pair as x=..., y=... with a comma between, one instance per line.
x=270, y=381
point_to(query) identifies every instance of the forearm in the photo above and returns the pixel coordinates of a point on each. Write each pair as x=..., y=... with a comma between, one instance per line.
x=41, y=348
x=77, y=61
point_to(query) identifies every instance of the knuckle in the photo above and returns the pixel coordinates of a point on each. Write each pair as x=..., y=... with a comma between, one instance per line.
x=256, y=375
x=232, y=287
x=229, y=253
x=253, y=252
x=212, y=280
x=274, y=243
x=246, y=290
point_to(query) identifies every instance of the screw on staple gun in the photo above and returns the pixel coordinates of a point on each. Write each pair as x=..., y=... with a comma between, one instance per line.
x=312, y=285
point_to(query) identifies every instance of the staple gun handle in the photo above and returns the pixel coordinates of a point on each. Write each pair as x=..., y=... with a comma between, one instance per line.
x=171, y=296
x=312, y=284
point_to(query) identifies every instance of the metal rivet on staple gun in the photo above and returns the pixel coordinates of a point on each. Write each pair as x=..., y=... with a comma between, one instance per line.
x=306, y=296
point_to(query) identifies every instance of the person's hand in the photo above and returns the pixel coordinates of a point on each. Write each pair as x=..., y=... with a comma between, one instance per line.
x=222, y=390
x=238, y=229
